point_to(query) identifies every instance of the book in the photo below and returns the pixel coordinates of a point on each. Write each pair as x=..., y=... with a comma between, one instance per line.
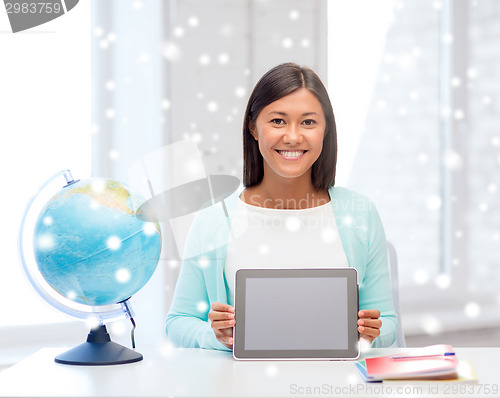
x=465, y=374
x=436, y=362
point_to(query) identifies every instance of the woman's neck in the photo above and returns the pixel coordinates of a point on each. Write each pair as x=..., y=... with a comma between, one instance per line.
x=288, y=194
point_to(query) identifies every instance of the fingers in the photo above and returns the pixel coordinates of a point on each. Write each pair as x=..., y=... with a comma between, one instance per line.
x=222, y=315
x=221, y=318
x=223, y=324
x=368, y=324
x=222, y=307
x=369, y=329
x=225, y=336
x=373, y=314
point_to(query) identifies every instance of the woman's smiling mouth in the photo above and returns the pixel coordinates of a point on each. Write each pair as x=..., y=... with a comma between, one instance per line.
x=291, y=155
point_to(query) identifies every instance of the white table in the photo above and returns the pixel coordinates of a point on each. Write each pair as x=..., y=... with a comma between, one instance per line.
x=196, y=372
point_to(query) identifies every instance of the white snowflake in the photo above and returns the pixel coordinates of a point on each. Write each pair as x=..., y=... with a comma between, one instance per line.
x=223, y=58
x=287, y=42
x=202, y=306
x=492, y=188
x=420, y=276
x=472, y=310
x=271, y=370
x=103, y=44
x=423, y=158
x=204, y=59
x=292, y=224
x=110, y=113
x=149, y=228
x=443, y=281
x=212, y=106
x=437, y=5
x=123, y=275
x=452, y=160
x=294, y=15
x=263, y=249
x=113, y=154
x=46, y=242
x=193, y=21
x=455, y=82
x=178, y=31
x=171, y=51
x=459, y=114
x=447, y=38
x=431, y=324
x=113, y=242
x=483, y=207
x=165, y=104
x=433, y=202
x=240, y=92
x=472, y=73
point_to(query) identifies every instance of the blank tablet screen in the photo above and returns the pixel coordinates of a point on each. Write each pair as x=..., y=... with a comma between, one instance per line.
x=302, y=313
x=290, y=318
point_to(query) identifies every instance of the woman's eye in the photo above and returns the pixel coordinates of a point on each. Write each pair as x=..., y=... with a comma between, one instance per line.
x=278, y=121
x=309, y=122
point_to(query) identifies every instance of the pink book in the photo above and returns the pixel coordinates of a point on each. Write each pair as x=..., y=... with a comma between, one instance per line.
x=431, y=362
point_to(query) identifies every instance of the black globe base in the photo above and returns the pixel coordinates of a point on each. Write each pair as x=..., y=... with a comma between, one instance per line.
x=99, y=350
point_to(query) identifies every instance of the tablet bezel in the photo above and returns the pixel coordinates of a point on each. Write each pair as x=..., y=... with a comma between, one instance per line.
x=352, y=352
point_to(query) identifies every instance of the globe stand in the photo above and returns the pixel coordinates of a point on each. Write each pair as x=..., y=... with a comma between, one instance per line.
x=99, y=350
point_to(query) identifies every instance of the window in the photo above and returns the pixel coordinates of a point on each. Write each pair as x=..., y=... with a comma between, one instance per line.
x=388, y=77
x=418, y=133
x=45, y=127
x=483, y=147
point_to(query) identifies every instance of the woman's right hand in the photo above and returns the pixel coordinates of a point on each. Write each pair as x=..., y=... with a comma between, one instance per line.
x=221, y=317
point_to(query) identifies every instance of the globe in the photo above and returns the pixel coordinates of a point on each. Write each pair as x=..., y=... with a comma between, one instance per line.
x=91, y=247
x=86, y=248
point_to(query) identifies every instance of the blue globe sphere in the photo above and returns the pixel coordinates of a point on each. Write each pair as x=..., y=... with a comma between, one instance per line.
x=91, y=247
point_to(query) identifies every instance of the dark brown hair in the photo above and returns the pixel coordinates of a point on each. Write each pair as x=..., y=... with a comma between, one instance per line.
x=280, y=81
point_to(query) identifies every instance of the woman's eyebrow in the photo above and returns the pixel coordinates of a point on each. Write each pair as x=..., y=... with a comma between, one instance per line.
x=285, y=114
x=278, y=113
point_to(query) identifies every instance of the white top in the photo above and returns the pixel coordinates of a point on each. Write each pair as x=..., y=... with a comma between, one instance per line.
x=282, y=238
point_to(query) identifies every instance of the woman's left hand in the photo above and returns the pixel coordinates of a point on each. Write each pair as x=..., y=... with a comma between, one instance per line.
x=369, y=324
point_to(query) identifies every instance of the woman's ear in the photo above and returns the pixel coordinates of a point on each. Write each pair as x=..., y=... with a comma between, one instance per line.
x=252, y=129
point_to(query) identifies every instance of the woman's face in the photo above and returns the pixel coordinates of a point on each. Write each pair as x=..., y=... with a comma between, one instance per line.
x=290, y=134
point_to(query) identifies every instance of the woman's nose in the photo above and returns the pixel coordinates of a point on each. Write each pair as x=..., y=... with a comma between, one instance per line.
x=292, y=135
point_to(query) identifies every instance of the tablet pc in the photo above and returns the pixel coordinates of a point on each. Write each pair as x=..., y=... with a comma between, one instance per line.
x=296, y=314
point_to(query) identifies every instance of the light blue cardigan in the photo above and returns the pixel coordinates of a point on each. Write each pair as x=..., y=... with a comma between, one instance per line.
x=201, y=280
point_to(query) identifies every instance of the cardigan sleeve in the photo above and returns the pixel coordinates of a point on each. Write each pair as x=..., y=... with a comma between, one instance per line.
x=187, y=320
x=375, y=288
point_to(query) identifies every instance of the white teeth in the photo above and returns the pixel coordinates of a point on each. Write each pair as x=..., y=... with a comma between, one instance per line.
x=291, y=154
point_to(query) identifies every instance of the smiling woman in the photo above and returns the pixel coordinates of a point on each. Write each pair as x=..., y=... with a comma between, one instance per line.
x=288, y=216
x=289, y=144
x=275, y=88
